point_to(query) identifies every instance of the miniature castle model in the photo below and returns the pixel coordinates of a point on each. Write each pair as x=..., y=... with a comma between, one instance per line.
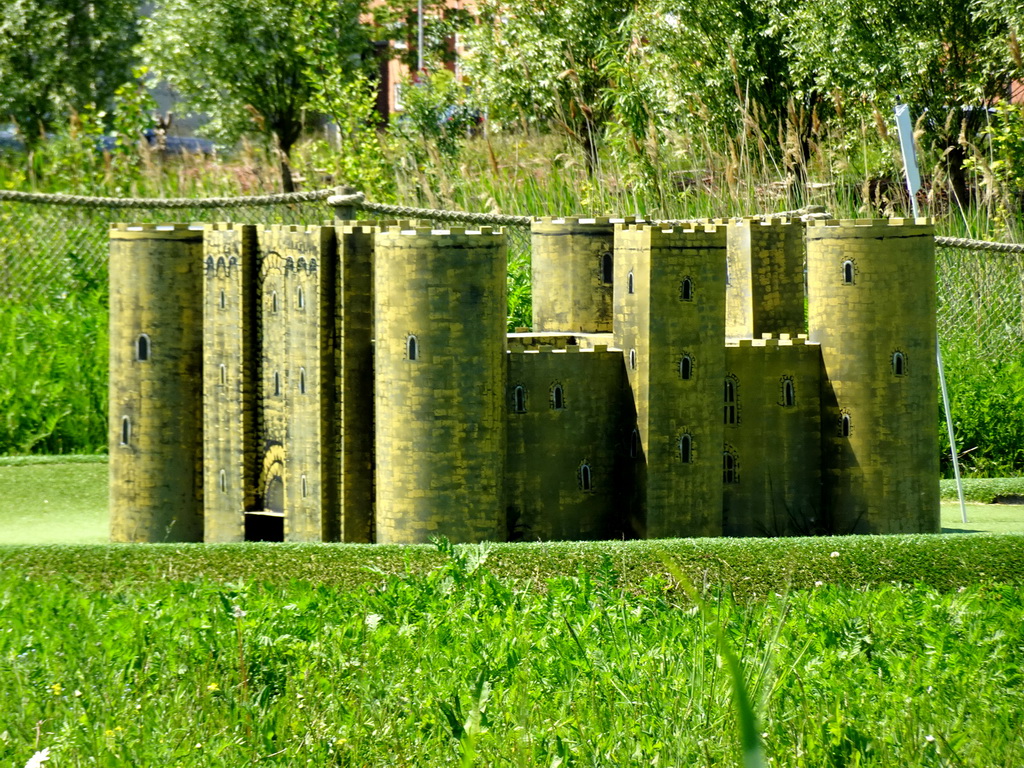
x=356, y=383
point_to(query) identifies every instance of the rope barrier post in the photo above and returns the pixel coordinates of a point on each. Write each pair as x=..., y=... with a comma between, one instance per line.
x=344, y=209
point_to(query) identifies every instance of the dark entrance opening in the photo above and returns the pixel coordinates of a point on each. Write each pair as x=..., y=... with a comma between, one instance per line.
x=268, y=523
x=264, y=527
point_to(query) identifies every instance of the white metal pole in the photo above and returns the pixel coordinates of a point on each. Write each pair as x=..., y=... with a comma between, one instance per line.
x=419, y=38
x=906, y=132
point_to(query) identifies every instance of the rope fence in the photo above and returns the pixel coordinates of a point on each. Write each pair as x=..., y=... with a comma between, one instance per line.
x=51, y=245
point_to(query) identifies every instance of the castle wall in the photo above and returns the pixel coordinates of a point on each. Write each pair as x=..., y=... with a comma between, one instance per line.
x=230, y=371
x=440, y=382
x=670, y=308
x=156, y=427
x=765, y=291
x=566, y=443
x=772, y=455
x=572, y=274
x=871, y=306
x=354, y=382
x=298, y=378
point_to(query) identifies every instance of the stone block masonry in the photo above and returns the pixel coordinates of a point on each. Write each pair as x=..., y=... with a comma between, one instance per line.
x=355, y=382
x=871, y=305
x=156, y=392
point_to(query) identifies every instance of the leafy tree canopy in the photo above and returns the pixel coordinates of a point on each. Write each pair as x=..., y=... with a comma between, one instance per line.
x=253, y=65
x=58, y=56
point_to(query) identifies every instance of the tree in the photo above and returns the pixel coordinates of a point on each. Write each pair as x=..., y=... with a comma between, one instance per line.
x=948, y=59
x=545, y=60
x=252, y=65
x=58, y=56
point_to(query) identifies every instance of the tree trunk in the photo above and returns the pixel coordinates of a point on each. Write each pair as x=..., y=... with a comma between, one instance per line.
x=287, y=183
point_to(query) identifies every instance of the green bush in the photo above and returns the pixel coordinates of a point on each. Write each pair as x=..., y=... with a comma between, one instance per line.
x=746, y=567
x=53, y=380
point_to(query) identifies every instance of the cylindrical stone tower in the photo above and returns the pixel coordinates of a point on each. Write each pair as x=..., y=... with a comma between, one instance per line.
x=572, y=271
x=765, y=291
x=156, y=399
x=439, y=380
x=871, y=305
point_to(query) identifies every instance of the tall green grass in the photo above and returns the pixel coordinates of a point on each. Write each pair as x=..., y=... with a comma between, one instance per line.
x=454, y=666
x=53, y=376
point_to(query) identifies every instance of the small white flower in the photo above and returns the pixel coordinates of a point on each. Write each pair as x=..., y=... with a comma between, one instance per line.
x=38, y=758
x=834, y=554
x=372, y=621
x=239, y=613
x=929, y=738
x=818, y=583
x=77, y=693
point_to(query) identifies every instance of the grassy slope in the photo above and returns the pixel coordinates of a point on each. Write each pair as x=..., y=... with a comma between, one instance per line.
x=42, y=503
x=63, y=500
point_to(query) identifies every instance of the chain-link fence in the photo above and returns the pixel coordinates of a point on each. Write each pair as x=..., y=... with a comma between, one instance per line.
x=51, y=250
x=48, y=251
x=981, y=303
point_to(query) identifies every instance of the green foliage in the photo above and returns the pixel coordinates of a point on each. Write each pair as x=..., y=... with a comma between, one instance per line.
x=987, y=401
x=58, y=56
x=984, y=489
x=253, y=65
x=53, y=381
x=938, y=57
x=359, y=159
x=454, y=665
x=745, y=567
x=1006, y=136
x=545, y=61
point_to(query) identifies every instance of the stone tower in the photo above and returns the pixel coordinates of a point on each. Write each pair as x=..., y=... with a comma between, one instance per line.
x=156, y=400
x=766, y=278
x=670, y=324
x=439, y=380
x=230, y=378
x=871, y=306
x=573, y=271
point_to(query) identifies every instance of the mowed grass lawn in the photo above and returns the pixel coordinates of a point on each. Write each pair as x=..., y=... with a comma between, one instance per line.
x=869, y=651
x=65, y=502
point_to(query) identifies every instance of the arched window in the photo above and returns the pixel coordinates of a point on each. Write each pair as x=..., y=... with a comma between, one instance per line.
x=142, y=348
x=844, y=425
x=519, y=399
x=730, y=474
x=848, y=272
x=685, y=448
x=586, y=481
x=899, y=364
x=300, y=298
x=634, y=444
x=223, y=482
x=629, y=282
x=277, y=383
x=632, y=359
x=126, y=431
x=788, y=393
x=223, y=300
x=302, y=381
x=686, y=290
x=412, y=348
x=686, y=368
x=730, y=401
x=273, y=301
x=557, y=398
x=607, y=273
